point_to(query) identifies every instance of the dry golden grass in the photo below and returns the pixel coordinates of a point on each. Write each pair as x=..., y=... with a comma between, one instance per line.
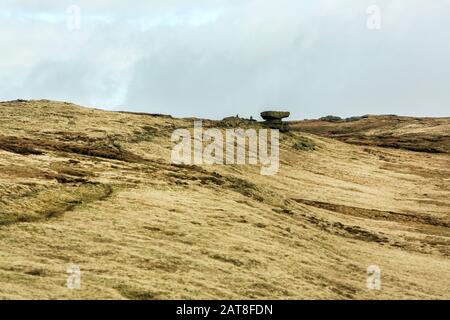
x=141, y=228
x=416, y=134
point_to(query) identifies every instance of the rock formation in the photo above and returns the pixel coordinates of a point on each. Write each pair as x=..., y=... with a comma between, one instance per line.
x=274, y=119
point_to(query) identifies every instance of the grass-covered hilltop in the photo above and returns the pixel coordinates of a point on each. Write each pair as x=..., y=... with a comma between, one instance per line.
x=97, y=189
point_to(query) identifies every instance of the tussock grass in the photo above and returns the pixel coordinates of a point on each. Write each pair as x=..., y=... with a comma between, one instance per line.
x=304, y=144
x=208, y=232
x=27, y=146
x=51, y=202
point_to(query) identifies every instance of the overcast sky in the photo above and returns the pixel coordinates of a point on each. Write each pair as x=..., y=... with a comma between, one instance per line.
x=217, y=58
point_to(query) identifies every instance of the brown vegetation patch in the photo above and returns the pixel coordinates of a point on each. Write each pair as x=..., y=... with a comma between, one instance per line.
x=183, y=173
x=51, y=202
x=133, y=293
x=417, y=170
x=343, y=230
x=100, y=149
x=304, y=144
x=70, y=168
x=226, y=259
x=147, y=133
x=412, y=142
x=18, y=145
x=375, y=214
x=382, y=131
x=70, y=136
x=158, y=115
x=65, y=173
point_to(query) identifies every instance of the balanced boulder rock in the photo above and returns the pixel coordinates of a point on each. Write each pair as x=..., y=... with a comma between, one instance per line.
x=274, y=119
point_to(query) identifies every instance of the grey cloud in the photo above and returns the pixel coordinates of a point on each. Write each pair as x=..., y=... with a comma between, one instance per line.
x=215, y=58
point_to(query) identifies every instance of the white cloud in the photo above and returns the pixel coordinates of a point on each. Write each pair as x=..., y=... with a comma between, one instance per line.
x=214, y=58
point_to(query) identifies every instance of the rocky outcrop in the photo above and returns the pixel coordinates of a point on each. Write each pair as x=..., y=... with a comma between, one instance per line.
x=274, y=119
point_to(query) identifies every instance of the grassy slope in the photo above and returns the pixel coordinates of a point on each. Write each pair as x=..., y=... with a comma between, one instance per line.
x=140, y=228
x=416, y=134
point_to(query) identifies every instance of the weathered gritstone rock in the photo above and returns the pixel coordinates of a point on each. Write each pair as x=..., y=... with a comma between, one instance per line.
x=269, y=115
x=273, y=119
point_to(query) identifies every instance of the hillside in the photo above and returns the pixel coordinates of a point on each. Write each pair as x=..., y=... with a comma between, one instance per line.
x=97, y=189
x=430, y=135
